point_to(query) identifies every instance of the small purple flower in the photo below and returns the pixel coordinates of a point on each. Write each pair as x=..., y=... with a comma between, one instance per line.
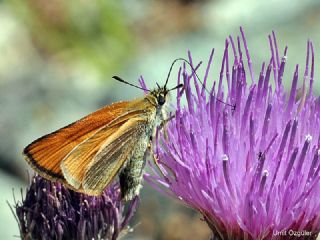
x=51, y=211
x=252, y=171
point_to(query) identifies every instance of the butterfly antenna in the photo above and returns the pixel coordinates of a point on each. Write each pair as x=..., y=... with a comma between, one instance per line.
x=178, y=86
x=233, y=107
x=269, y=146
x=125, y=82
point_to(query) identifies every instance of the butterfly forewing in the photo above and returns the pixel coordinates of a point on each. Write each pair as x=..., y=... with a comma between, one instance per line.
x=46, y=153
x=87, y=154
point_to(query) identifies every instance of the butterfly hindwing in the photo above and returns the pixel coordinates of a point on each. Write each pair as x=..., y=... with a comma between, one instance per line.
x=75, y=163
x=113, y=154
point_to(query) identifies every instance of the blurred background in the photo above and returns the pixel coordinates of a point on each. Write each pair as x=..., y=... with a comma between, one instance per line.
x=57, y=59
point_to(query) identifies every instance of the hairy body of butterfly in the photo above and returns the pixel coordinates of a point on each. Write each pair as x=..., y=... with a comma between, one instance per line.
x=87, y=154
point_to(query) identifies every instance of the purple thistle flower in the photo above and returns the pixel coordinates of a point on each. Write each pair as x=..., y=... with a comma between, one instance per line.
x=253, y=173
x=51, y=211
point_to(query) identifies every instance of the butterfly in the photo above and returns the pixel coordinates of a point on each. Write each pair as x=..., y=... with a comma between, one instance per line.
x=88, y=154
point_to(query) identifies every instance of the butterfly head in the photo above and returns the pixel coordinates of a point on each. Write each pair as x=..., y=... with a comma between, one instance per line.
x=161, y=94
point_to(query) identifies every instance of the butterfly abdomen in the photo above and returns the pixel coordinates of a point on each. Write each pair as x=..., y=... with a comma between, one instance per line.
x=130, y=176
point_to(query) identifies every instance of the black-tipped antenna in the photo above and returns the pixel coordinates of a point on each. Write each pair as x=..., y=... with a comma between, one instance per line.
x=263, y=154
x=178, y=86
x=123, y=81
x=233, y=107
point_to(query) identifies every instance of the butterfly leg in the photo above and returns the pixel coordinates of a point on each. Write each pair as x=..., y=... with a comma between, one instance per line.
x=165, y=121
x=163, y=126
x=165, y=169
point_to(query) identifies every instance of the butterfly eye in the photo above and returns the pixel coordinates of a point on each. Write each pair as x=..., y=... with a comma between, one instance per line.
x=161, y=99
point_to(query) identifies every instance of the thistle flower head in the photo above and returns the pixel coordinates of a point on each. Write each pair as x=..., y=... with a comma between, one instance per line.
x=51, y=211
x=252, y=171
